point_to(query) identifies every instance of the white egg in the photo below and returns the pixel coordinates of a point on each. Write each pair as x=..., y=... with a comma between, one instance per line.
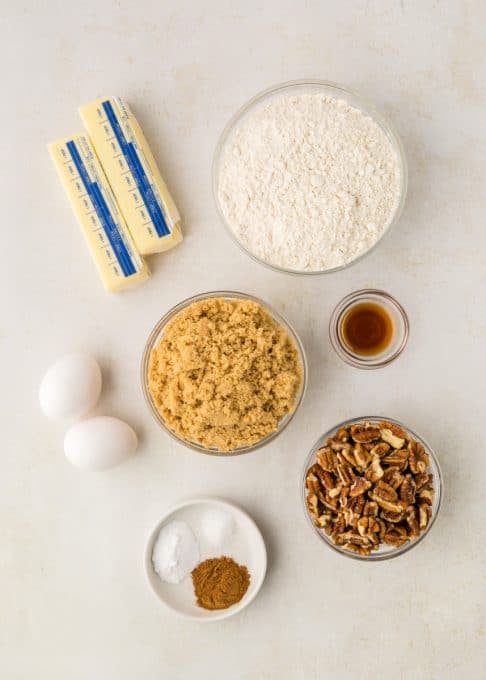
x=71, y=387
x=99, y=443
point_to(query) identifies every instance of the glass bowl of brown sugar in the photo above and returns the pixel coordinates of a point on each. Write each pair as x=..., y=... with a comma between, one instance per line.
x=266, y=395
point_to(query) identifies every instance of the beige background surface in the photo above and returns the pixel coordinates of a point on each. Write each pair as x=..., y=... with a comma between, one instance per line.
x=73, y=601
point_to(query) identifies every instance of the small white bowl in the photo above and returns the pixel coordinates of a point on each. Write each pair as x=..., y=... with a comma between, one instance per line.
x=246, y=547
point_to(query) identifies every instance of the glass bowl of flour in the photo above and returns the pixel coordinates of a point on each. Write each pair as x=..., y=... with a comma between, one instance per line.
x=308, y=177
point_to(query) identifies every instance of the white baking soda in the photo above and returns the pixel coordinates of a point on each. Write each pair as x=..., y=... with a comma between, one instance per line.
x=308, y=182
x=175, y=552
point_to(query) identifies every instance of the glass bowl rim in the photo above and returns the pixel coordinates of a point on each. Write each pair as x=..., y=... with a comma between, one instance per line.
x=155, y=334
x=438, y=489
x=367, y=107
x=339, y=346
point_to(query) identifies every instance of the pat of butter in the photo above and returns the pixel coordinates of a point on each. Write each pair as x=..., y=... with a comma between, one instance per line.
x=101, y=221
x=142, y=194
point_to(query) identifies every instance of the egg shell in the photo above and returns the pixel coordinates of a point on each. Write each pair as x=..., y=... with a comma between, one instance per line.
x=99, y=443
x=71, y=387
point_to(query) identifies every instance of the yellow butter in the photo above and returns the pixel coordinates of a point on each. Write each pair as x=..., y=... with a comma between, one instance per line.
x=102, y=224
x=142, y=194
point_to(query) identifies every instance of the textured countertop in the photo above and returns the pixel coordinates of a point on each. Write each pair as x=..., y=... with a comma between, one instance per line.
x=74, y=602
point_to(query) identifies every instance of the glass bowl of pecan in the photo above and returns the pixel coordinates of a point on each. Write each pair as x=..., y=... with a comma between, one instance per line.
x=372, y=488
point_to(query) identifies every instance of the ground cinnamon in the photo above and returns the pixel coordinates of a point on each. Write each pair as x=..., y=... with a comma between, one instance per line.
x=220, y=582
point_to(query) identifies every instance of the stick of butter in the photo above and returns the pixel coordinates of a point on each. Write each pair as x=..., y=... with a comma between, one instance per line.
x=101, y=221
x=142, y=194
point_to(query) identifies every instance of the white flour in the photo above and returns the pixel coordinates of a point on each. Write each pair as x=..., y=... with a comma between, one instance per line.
x=307, y=182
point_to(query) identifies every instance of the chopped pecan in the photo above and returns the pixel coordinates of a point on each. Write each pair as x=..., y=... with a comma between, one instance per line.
x=407, y=490
x=393, y=477
x=385, y=491
x=343, y=496
x=359, y=486
x=360, y=550
x=394, y=441
x=363, y=434
x=374, y=471
x=361, y=456
x=325, y=519
x=423, y=480
x=338, y=529
x=411, y=519
x=334, y=493
x=396, y=536
x=368, y=445
x=391, y=506
x=370, y=486
x=425, y=513
x=380, y=449
x=383, y=529
x=418, y=460
x=326, y=478
x=397, y=458
x=347, y=455
x=374, y=539
x=356, y=505
x=349, y=517
x=312, y=504
x=393, y=517
x=370, y=509
x=312, y=482
x=368, y=527
x=426, y=496
x=355, y=538
x=336, y=538
x=394, y=428
x=363, y=525
x=326, y=458
x=345, y=473
x=328, y=502
x=342, y=434
x=374, y=526
x=338, y=445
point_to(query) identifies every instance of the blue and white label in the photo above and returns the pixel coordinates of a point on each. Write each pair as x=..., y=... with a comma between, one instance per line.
x=97, y=194
x=139, y=174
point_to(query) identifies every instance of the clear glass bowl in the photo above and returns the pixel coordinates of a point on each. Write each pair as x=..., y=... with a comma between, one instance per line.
x=401, y=328
x=385, y=552
x=157, y=333
x=334, y=90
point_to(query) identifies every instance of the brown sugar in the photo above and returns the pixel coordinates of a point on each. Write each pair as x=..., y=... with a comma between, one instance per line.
x=224, y=373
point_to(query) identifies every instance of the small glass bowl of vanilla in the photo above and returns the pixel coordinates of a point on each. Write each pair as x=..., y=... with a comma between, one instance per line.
x=369, y=329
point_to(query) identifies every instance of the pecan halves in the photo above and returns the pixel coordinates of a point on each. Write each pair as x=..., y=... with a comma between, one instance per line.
x=326, y=478
x=374, y=472
x=363, y=435
x=345, y=473
x=390, y=438
x=370, y=485
x=359, y=486
x=397, y=458
x=361, y=456
x=407, y=490
x=418, y=460
x=326, y=458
